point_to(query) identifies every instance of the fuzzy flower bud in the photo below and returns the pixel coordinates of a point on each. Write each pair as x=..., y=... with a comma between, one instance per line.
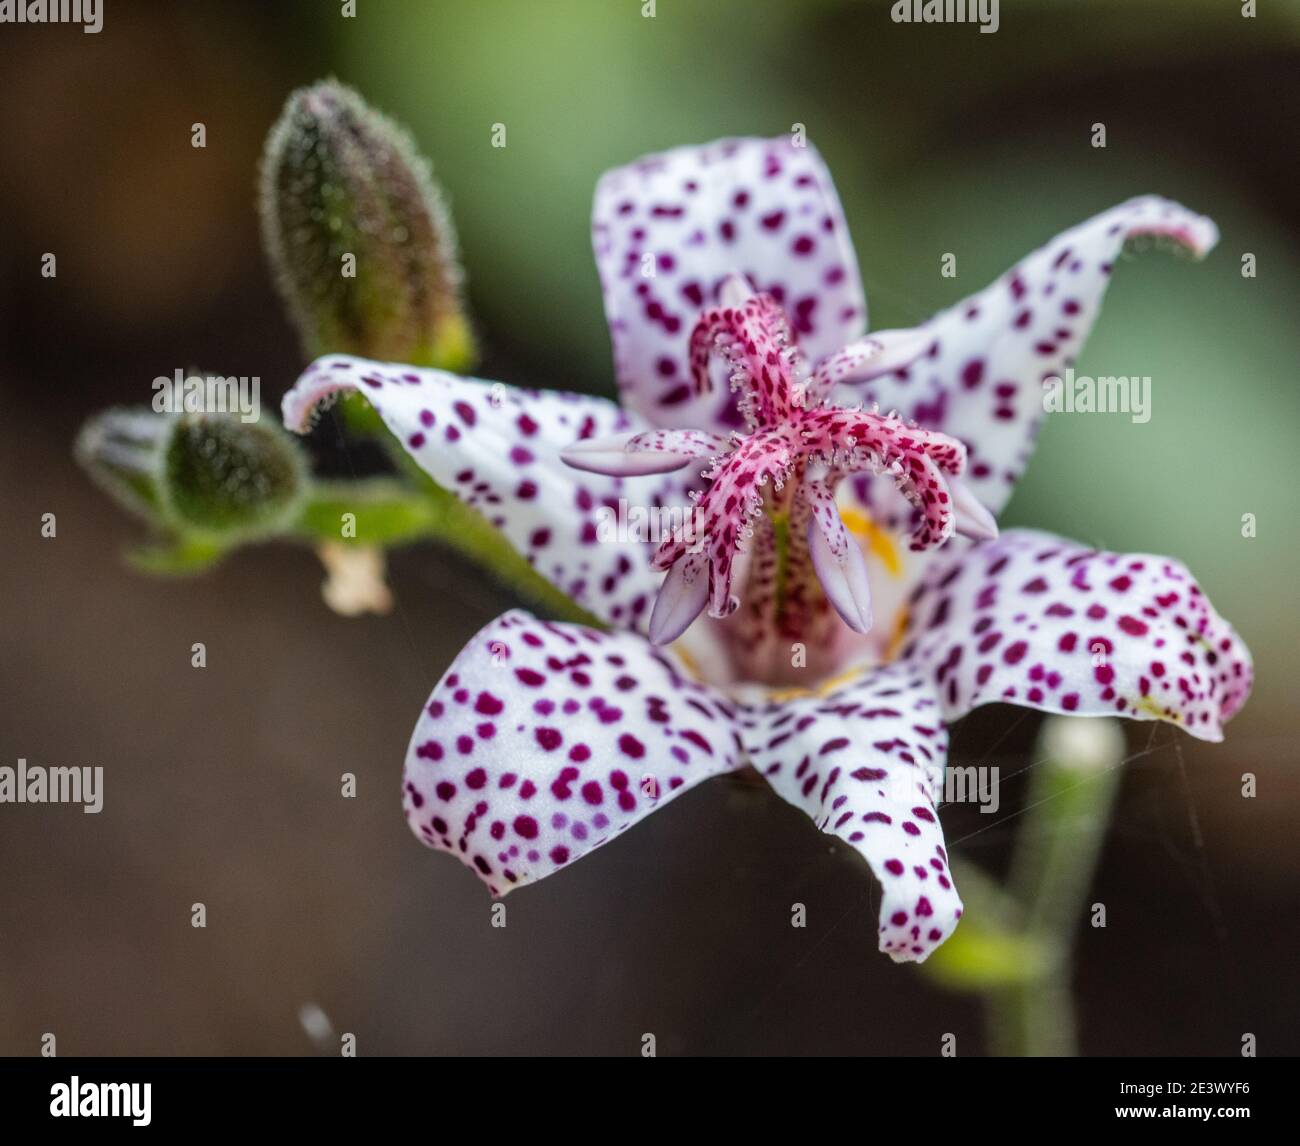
x=362, y=246
x=196, y=475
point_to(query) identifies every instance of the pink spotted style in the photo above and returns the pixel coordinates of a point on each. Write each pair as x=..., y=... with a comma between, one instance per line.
x=800, y=445
x=847, y=594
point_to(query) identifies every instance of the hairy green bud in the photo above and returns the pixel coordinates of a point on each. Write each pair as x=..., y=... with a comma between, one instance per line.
x=361, y=243
x=221, y=475
x=197, y=476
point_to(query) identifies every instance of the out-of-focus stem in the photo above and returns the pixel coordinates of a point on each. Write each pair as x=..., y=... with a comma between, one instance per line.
x=1071, y=794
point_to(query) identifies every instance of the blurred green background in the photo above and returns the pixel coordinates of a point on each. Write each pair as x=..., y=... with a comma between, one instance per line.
x=224, y=788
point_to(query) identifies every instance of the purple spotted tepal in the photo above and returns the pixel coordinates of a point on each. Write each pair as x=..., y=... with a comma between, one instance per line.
x=833, y=654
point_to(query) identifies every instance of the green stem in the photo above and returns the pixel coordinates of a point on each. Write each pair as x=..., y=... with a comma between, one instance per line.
x=1032, y=1020
x=396, y=514
x=1070, y=799
x=378, y=511
x=387, y=512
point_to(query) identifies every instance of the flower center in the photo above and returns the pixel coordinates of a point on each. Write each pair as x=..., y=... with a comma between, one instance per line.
x=771, y=492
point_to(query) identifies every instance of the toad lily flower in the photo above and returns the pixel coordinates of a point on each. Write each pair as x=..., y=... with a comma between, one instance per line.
x=833, y=655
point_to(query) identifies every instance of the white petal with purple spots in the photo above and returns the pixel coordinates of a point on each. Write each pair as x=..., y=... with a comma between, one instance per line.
x=669, y=229
x=1036, y=620
x=979, y=375
x=866, y=762
x=544, y=741
x=498, y=449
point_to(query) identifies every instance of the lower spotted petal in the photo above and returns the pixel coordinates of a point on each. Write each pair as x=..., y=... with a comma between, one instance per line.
x=866, y=762
x=498, y=449
x=544, y=741
x=1035, y=620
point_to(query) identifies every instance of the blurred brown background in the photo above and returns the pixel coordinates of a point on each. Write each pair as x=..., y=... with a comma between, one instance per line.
x=222, y=785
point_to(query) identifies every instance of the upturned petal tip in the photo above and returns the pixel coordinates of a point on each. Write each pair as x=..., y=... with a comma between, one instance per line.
x=975, y=370
x=1035, y=620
